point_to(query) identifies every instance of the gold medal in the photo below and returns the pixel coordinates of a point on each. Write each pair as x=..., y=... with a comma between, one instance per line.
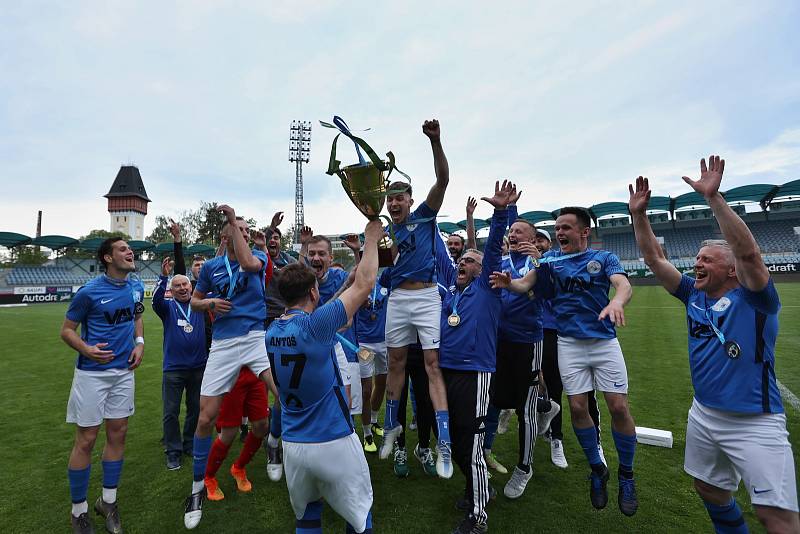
x=531, y=296
x=365, y=355
x=454, y=320
x=373, y=316
x=188, y=328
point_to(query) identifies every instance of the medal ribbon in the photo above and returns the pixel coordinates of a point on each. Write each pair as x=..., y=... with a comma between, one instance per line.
x=456, y=299
x=528, y=264
x=231, y=280
x=344, y=341
x=553, y=259
x=374, y=295
x=185, y=315
x=710, y=320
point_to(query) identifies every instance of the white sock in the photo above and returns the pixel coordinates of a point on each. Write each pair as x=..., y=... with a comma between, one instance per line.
x=198, y=485
x=79, y=508
x=110, y=495
x=272, y=441
x=374, y=418
x=245, y=420
x=367, y=431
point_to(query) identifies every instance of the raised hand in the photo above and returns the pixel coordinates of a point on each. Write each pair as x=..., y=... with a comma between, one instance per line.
x=500, y=280
x=306, y=233
x=374, y=231
x=228, y=211
x=431, y=129
x=710, y=177
x=259, y=239
x=502, y=194
x=175, y=230
x=98, y=354
x=352, y=242
x=471, y=205
x=277, y=219
x=166, y=266
x=640, y=197
x=515, y=195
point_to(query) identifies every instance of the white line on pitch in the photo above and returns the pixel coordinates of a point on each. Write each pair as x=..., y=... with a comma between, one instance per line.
x=789, y=396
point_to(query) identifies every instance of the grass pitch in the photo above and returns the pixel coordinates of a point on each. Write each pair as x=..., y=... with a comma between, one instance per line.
x=35, y=376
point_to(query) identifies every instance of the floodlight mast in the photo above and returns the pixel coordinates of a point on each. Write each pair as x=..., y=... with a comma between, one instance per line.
x=299, y=153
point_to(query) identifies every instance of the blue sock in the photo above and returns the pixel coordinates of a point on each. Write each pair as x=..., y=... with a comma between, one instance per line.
x=390, y=418
x=587, y=437
x=626, y=447
x=275, y=426
x=312, y=519
x=200, y=450
x=727, y=519
x=492, y=420
x=111, y=473
x=367, y=530
x=443, y=424
x=79, y=483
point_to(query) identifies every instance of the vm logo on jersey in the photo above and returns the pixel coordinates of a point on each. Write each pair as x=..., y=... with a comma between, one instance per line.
x=409, y=245
x=241, y=286
x=700, y=330
x=575, y=284
x=120, y=315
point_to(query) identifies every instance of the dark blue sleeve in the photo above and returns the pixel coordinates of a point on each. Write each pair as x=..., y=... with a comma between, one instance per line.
x=512, y=214
x=766, y=301
x=613, y=266
x=159, y=303
x=385, y=278
x=204, y=280
x=543, y=288
x=327, y=320
x=492, y=251
x=445, y=270
x=685, y=289
x=79, y=306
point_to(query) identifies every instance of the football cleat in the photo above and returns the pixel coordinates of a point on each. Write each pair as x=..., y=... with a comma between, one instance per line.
x=376, y=429
x=463, y=504
x=598, y=489
x=425, y=457
x=400, y=462
x=81, y=524
x=369, y=445
x=492, y=463
x=515, y=486
x=470, y=525
x=389, y=437
x=627, y=500
x=557, y=454
x=194, y=509
x=444, y=461
x=213, y=493
x=274, y=462
x=240, y=475
x=110, y=513
x=543, y=419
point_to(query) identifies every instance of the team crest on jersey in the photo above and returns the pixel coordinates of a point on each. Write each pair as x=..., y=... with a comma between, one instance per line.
x=384, y=291
x=411, y=227
x=721, y=305
x=593, y=267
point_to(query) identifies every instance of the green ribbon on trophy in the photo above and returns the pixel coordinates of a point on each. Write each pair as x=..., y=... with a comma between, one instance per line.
x=366, y=182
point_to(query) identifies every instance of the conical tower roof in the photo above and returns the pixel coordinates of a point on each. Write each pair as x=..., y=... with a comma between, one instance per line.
x=128, y=183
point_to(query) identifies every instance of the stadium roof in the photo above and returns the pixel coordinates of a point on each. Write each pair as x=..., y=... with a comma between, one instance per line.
x=201, y=248
x=128, y=183
x=480, y=224
x=140, y=246
x=54, y=242
x=10, y=239
x=660, y=203
x=685, y=200
x=448, y=227
x=609, y=208
x=751, y=193
x=537, y=216
x=789, y=189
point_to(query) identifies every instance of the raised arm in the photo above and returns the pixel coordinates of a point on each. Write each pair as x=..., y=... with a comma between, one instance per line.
x=306, y=233
x=664, y=271
x=177, y=247
x=750, y=268
x=244, y=255
x=367, y=270
x=517, y=285
x=472, y=239
x=440, y=166
x=492, y=252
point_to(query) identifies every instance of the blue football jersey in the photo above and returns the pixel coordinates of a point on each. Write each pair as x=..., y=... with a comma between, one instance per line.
x=416, y=250
x=312, y=395
x=334, y=280
x=106, y=310
x=370, y=320
x=521, y=318
x=249, y=307
x=742, y=381
x=579, y=286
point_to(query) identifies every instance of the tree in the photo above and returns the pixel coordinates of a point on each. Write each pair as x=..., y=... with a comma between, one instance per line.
x=25, y=255
x=287, y=238
x=160, y=232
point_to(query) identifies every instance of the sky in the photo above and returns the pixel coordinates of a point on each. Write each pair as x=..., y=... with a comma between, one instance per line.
x=571, y=101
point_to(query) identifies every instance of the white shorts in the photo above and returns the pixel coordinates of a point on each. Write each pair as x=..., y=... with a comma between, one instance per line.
x=589, y=364
x=378, y=365
x=228, y=356
x=99, y=395
x=344, y=365
x=336, y=471
x=411, y=313
x=355, y=389
x=722, y=448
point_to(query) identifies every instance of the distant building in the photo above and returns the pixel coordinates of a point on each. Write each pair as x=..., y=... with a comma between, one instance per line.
x=127, y=203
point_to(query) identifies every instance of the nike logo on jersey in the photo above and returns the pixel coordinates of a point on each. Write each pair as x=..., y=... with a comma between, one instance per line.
x=216, y=275
x=757, y=491
x=105, y=301
x=698, y=307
